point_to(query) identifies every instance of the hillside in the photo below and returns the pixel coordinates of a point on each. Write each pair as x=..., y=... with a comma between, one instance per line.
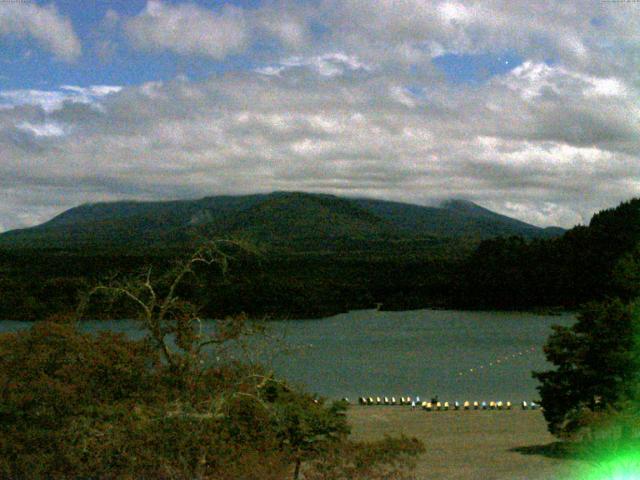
x=291, y=219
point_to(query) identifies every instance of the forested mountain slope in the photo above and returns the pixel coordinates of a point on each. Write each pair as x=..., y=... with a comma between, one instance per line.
x=292, y=219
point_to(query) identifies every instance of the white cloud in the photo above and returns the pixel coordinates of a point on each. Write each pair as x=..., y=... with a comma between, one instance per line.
x=326, y=65
x=289, y=27
x=188, y=29
x=51, y=100
x=454, y=12
x=402, y=95
x=605, y=87
x=47, y=100
x=270, y=70
x=380, y=29
x=44, y=24
x=533, y=79
x=47, y=129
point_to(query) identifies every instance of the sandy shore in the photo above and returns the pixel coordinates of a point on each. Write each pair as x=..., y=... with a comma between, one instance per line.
x=469, y=445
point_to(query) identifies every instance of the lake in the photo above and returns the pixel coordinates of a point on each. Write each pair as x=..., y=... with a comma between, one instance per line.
x=457, y=355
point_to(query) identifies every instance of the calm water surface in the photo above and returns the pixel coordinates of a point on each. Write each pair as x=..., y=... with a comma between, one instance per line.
x=452, y=354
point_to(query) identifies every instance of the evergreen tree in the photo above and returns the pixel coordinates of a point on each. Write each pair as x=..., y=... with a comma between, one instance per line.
x=597, y=364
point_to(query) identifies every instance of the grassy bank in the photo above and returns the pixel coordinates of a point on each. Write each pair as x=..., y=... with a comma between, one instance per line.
x=470, y=445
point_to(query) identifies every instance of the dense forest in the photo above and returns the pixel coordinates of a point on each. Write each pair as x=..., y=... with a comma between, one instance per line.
x=587, y=263
x=350, y=272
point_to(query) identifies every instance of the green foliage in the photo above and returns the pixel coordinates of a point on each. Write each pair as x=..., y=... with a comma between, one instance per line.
x=76, y=405
x=626, y=274
x=597, y=370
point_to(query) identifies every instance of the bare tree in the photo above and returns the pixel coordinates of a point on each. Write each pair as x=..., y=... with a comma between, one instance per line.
x=174, y=324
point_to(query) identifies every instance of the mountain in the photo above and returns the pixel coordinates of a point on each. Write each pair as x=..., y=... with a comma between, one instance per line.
x=454, y=218
x=292, y=219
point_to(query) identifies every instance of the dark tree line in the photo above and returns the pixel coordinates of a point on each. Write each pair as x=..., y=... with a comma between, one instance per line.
x=587, y=263
x=593, y=389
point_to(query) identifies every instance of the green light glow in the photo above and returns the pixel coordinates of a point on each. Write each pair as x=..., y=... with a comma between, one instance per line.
x=612, y=451
x=621, y=466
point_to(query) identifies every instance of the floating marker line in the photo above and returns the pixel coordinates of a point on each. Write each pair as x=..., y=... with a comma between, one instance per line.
x=497, y=362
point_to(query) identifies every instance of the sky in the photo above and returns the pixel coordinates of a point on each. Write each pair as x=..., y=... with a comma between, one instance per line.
x=529, y=108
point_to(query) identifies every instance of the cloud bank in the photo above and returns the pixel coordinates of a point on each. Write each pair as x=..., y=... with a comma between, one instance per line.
x=348, y=100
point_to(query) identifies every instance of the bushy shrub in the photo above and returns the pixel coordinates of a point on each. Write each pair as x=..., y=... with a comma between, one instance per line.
x=172, y=405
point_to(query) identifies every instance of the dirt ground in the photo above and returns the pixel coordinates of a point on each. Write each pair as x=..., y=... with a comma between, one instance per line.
x=470, y=445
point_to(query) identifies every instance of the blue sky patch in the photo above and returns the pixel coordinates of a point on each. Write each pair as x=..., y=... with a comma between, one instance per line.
x=475, y=69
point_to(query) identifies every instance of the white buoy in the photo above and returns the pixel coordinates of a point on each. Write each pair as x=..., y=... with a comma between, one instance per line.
x=456, y=405
x=534, y=406
x=370, y=401
x=386, y=400
x=524, y=405
x=484, y=405
x=393, y=400
x=418, y=400
x=378, y=401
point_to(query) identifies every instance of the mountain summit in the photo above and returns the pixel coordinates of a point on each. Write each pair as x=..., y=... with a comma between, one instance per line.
x=283, y=218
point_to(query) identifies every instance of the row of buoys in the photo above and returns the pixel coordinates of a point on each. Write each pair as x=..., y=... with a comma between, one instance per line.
x=496, y=362
x=438, y=406
x=429, y=406
x=443, y=406
x=388, y=401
